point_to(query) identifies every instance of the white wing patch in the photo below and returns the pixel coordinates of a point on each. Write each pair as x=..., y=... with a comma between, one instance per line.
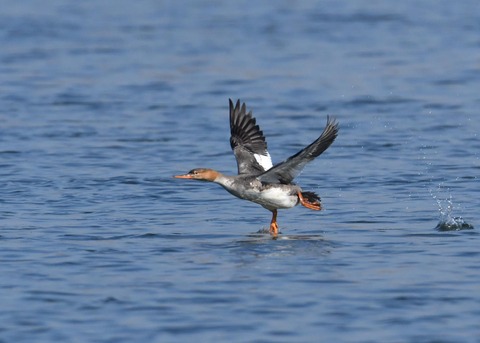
x=264, y=160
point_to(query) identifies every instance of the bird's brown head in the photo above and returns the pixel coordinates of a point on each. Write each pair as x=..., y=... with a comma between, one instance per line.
x=201, y=174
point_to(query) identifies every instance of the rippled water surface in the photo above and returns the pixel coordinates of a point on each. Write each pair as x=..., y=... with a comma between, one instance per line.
x=101, y=103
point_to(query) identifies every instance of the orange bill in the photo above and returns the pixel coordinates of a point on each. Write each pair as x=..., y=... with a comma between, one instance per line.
x=185, y=176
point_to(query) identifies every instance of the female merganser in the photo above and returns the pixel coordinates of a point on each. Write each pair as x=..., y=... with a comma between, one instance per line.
x=258, y=180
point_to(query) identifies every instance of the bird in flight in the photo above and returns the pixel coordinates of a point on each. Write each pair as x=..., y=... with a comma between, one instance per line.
x=258, y=180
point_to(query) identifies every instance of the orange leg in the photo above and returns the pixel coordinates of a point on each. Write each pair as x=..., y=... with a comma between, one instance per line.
x=311, y=205
x=273, y=224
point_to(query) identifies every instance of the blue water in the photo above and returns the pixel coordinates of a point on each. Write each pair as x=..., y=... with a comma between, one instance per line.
x=102, y=102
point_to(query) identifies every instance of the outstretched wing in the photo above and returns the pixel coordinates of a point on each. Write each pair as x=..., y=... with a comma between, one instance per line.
x=286, y=171
x=247, y=141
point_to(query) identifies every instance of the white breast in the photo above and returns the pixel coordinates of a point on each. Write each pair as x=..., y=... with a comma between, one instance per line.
x=270, y=198
x=275, y=198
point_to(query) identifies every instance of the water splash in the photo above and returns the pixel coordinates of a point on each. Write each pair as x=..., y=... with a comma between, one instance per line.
x=447, y=221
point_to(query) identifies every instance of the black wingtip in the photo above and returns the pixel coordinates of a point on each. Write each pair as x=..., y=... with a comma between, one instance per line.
x=237, y=105
x=244, y=129
x=332, y=121
x=332, y=127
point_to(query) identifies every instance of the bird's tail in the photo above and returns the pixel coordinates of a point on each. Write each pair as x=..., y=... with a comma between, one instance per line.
x=310, y=200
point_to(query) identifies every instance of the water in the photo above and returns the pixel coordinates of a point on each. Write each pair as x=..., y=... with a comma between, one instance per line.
x=101, y=104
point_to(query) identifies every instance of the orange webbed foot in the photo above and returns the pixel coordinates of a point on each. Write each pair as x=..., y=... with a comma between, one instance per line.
x=315, y=205
x=274, y=229
x=273, y=224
